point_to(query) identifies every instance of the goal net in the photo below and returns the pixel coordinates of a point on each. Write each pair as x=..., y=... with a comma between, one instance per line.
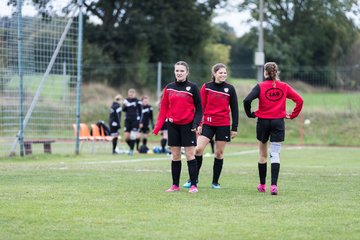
x=49, y=67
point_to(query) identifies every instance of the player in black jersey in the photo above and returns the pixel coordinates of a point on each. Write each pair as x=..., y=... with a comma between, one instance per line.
x=133, y=109
x=114, y=120
x=147, y=118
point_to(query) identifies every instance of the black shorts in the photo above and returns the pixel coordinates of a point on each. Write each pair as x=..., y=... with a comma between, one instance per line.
x=114, y=129
x=273, y=128
x=145, y=130
x=221, y=133
x=165, y=125
x=181, y=135
x=131, y=125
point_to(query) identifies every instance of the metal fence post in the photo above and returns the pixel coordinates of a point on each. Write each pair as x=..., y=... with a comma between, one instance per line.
x=20, y=69
x=158, y=90
x=259, y=55
x=79, y=58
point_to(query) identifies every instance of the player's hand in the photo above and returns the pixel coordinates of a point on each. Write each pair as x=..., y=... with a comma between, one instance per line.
x=287, y=116
x=199, y=130
x=156, y=131
x=233, y=134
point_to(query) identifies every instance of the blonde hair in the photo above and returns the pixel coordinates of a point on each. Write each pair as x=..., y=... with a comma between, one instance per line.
x=132, y=90
x=118, y=98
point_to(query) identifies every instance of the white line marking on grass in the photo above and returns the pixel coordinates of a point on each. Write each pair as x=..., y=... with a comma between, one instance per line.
x=241, y=153
x=134, y=160
x=163, y=158
x=129, y=160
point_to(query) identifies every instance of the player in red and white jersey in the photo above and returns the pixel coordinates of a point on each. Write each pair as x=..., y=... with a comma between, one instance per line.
x=271, y=112
x=220, y=119
x=181, y=105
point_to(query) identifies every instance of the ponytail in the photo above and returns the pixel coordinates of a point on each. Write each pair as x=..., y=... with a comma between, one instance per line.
x=272, y=71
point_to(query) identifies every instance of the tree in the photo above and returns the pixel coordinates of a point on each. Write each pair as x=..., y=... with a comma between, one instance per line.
x=151, y=31
x=307, y=33
x=242, y=55
x=141, y=32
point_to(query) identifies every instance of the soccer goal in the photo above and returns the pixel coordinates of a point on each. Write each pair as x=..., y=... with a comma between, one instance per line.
x=38, y=81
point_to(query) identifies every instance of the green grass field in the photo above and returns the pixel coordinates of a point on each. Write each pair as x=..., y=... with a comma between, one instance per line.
x=102, y=196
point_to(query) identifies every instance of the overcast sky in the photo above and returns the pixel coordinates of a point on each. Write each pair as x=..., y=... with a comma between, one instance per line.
x=233, y=17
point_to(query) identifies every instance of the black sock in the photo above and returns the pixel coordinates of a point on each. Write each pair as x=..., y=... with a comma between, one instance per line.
x=218, y=164
x=128, y=142
x=212, y=145
x=275, y=169
x=144, y=141
x=199, y=160
x=132, y=144
x=262, y=167
x=192, y=167
x=137, y=143
x=163, y=144
x=114, y=143
x=175, y=172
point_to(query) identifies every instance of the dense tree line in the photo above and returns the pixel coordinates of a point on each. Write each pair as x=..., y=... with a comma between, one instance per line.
x=136, y=33
x=304, y=36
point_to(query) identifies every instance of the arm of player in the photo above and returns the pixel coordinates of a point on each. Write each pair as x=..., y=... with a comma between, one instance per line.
x=248, y=99
x=234, y=110
x=198, y=109
x=164, y=108
x=295, y=97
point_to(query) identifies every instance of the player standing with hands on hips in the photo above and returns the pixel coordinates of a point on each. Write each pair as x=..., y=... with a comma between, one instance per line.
x=272, y=95
x=181, y=105
x=218, y=98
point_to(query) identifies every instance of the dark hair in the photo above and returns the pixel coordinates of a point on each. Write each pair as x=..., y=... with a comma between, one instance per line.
x=216, y=68
x=272, y=70
x=183, y=63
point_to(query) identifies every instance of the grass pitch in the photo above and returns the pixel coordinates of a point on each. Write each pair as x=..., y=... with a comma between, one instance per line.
x=102, y=196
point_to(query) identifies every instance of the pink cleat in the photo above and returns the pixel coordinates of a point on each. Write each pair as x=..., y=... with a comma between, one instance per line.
x=261, y=187
x=193, y=189
x=273, y=190
x=173, y=188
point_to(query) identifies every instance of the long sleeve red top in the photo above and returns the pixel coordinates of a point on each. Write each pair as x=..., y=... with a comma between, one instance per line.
x=272, y=97
x=180, y=104
x=217, y=100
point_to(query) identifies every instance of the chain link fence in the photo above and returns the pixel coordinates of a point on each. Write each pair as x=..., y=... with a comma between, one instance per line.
x=47, y=81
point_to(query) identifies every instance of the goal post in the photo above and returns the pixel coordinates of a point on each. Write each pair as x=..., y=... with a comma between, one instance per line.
x=39, y=76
